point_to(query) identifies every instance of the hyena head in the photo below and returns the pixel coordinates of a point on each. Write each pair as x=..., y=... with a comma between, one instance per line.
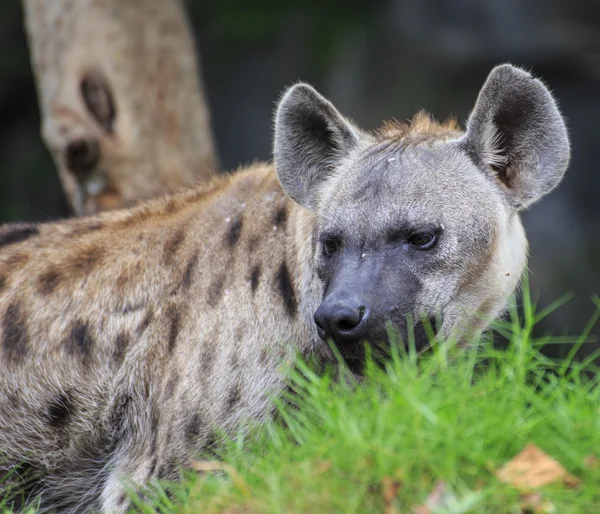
x=419, y=220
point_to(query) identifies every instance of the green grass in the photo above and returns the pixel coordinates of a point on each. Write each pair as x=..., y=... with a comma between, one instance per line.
x=450, y=414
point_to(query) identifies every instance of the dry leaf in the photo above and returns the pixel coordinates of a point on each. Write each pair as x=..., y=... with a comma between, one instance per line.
x=390, y=489
x=421, y=509
x=213, y=465
x=532, y=468
x=534, y=502
x=592, y=462
x=435, y=500
x=323, y=466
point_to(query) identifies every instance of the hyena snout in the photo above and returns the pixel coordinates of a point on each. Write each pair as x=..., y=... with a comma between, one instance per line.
x=342, y=318
x=350, y=322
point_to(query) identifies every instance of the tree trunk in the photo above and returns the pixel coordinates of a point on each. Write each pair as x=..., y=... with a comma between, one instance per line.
x=123, y=111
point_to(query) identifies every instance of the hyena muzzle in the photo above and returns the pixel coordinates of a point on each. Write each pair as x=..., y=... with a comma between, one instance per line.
x=128, y=337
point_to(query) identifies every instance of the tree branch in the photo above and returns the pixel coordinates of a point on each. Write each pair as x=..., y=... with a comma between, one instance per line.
x=123, y=111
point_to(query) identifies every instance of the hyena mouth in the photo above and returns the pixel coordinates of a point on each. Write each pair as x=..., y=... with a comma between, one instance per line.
x=356, y=366
x=349, y=324
x=395, y=338
x=418, y=335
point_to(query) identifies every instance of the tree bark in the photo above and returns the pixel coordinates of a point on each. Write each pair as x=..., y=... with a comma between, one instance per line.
x=123, y=110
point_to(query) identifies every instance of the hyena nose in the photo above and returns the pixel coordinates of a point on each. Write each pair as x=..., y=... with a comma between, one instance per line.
x=343, y=320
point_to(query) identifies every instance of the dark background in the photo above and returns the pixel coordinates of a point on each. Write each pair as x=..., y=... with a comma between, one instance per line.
x=374, y=60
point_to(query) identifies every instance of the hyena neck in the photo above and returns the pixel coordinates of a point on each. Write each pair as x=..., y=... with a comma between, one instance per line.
x=264, y=229
x=309, y=286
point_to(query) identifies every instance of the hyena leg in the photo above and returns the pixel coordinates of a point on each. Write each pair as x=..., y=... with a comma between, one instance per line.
x=128, y=473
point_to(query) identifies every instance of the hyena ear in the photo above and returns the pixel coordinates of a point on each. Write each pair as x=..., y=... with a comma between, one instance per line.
x=311, y=138
x=517, y=133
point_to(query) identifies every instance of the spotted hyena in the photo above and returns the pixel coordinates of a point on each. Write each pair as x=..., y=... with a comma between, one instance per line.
x=127, y=337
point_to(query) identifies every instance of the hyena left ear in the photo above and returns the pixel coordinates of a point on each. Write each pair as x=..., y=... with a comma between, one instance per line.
x=517, y=133
x=311, y=138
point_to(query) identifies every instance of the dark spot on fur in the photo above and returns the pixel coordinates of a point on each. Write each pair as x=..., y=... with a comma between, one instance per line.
x=86, y=228
x=193, y=427
x=234, y=356
x=370, y=188
x=13, y=399
x=264, y=356
x=2, y=282
x=215, y=291
x=119, y=416
x=154, y=422
x=14, y=261
x=240, y=333
x=121, y=344
x=153, y=466
x=131, y=220
x=171, y=207
x=173, y=317
x=17, y=234
x=234, y=232
x=80, y=341
x=282, y=351
x=129, y=308
x=85, y=260
x=233, y=396
x=98, y=99
x=207, y=360
x=211, y=443
x=16, y=338
x=253, y=244
x=280, y=218
x=168, y=471
x=122, y=279
x=122, y=499
x=145, y=322
x=48, y=282
x=254, y=278
x=171, y=385
x=61, y=410
x=154, y=443
x=286, y=289
x=188, y=274
x=171, y=246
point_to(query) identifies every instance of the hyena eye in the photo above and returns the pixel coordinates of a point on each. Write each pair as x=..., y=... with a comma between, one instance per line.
x=330, y=246
x=423, y=240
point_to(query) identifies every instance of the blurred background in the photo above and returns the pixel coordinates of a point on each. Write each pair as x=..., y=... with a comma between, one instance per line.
x=374, y=59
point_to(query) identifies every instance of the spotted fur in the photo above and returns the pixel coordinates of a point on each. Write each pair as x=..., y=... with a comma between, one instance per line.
x=128, y=338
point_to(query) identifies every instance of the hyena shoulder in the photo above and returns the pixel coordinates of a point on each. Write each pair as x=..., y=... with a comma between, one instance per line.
x=100, y=317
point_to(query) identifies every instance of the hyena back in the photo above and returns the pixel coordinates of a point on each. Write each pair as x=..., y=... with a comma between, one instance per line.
x=128, y=337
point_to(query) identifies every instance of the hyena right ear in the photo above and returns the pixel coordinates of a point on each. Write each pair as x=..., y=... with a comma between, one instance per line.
x=517, y=134
x=311, y=138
